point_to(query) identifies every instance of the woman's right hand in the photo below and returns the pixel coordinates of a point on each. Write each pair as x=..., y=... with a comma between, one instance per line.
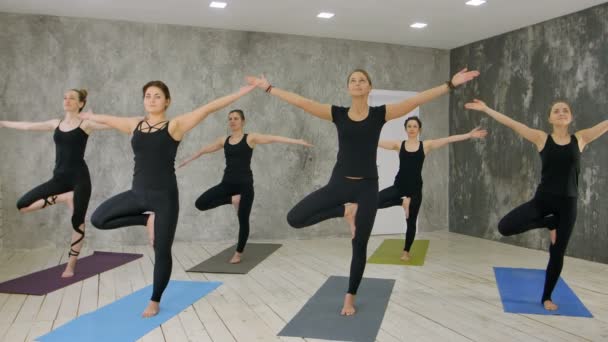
x=182, y=164
x=476, y=105
x=1, y=124
x=260, y=82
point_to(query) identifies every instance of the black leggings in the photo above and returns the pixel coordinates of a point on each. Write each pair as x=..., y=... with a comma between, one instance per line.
x=549, y=211
x=79, y=182
x=127, y=209
x=391, y=197
x=221, y=194
x=328, y=202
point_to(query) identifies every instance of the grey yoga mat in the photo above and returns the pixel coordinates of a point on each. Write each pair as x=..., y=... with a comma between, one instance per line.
x=254, y=254
x=320, y=317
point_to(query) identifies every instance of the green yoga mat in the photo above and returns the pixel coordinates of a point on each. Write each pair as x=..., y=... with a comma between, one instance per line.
x=390, y=251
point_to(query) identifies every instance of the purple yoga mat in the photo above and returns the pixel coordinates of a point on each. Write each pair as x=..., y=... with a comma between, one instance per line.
x=45, y=281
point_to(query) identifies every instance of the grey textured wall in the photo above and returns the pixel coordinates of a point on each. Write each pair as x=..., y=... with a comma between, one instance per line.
x=522, y=73
x=41, y=56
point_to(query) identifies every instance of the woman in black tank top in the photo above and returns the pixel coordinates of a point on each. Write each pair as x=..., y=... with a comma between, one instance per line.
x=355, y=176
x=71, y=182
x=236, y=186
x=554, y=204
x=407, y=189
x=153, y=200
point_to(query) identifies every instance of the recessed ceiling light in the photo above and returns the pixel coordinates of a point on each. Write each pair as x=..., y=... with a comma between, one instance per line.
x=325, y=15
x=217, y=4
x=418, y=25
x=475, y=2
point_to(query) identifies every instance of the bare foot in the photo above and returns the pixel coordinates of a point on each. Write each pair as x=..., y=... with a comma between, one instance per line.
x=549, y=305
x=349, y=305
x=150, y=227
x=236, y=258
x=152, y=309
x=70, y=267
x=405, y=256
x=350, y=212
x=236, y=200
x=553, y=235
x=406, y=206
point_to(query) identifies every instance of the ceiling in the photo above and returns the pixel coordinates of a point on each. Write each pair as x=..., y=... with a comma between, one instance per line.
x=450, y=22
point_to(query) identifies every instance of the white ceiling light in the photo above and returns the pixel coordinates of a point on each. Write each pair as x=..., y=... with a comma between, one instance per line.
x=217, y=4
x=418, y=25
x=325, y=15
x=475, y=2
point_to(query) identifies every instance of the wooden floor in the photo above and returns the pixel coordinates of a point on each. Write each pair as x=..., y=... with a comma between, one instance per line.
x=452, y=298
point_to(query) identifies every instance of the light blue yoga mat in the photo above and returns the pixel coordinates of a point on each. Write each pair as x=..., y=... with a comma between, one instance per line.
x=521, y=290
x=122, y=321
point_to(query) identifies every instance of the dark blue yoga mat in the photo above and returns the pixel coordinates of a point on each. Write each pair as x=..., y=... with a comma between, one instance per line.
x=122, y=321
x=521, y=290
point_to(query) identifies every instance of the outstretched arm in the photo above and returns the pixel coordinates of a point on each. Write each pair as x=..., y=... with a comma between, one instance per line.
x=213, y=147
x=397, y=110
x=31, y=126
x=588, y=135
x=476, y=133
x=317, y=109
x=256, y=138
x=390, y=144
x=185, y=122
x=123, y=124
x=535, y=136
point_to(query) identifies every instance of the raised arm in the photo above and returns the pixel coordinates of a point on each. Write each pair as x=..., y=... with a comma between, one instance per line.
x=396, y=110
x=185, y=122
x=535, y=136
x=256, y=138
x=317, y=109
x=31, y=126
x=123, y=124
x=585, y=136
x=390, y=144
x=475, y=133
x=213, y=147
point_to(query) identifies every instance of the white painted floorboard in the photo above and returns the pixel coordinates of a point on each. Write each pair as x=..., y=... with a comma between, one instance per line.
x=452, y=298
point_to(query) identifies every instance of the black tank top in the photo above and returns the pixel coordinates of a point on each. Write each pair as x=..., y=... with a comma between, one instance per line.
x=154, y=150
x=357, y=142
x=409, y=177
x=238, y=162
x=69, y=149
x=560, y=168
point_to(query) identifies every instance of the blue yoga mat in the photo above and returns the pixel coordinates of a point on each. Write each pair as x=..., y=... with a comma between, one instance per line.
x=122, y=321
x=521, y=290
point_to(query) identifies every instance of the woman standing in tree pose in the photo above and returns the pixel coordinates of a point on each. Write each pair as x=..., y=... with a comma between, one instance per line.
x=236, y=186
x=153, y=200
x=554, y=204
x=407, y=189
x=71, y=182
x=355, y=177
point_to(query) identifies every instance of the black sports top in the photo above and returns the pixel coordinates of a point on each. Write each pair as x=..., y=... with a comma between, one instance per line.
x=561, y=165
x=409, y=177
x=357, y=142
x=69, y=149
x=238, y=161
x=154, y=156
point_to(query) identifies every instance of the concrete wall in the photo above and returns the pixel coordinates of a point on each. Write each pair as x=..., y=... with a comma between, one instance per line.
x=522, y=73
x=41, y=56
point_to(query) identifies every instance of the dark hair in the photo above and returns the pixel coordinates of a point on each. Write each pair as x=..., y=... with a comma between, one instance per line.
x=361, y=71
x=413, y=118
x=82, y=97
x=158, y=84
x=239, y=112
x=559, y=101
